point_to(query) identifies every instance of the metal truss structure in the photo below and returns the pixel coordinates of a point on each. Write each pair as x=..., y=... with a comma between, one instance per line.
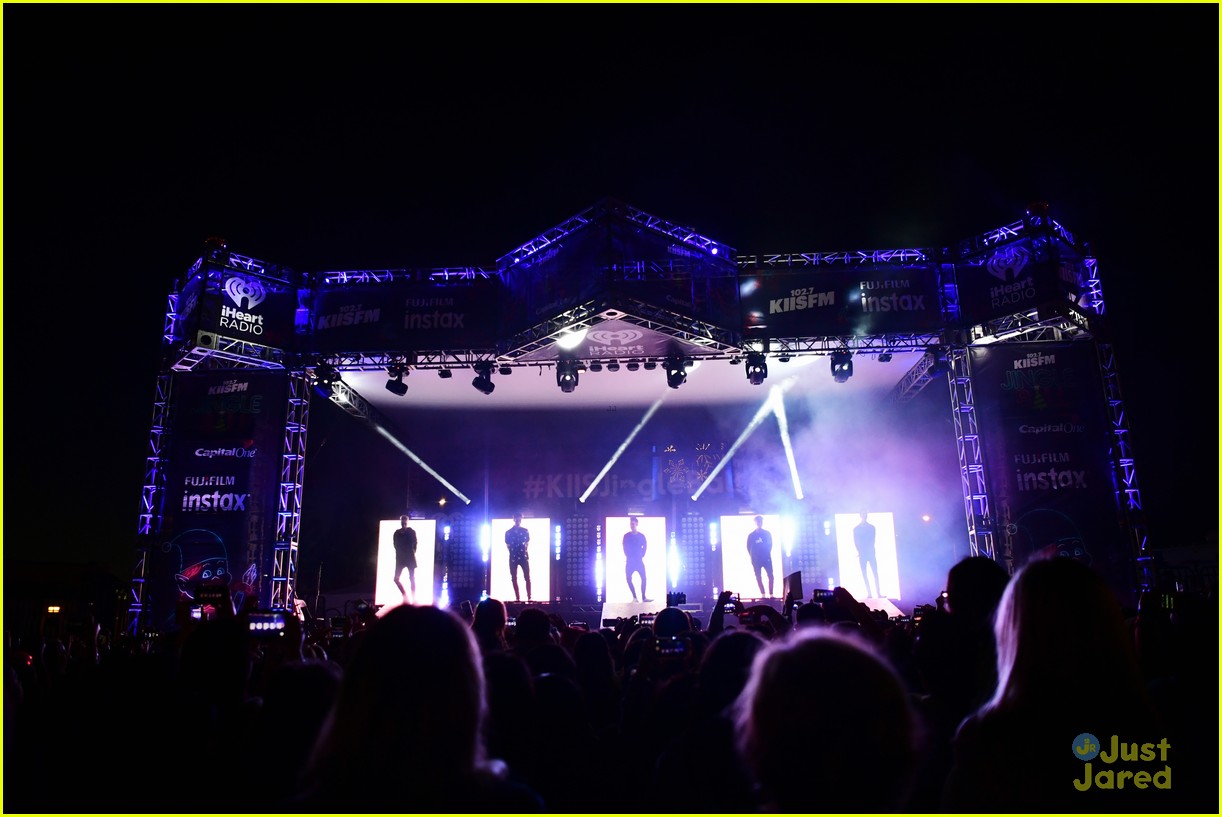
x=946, y=355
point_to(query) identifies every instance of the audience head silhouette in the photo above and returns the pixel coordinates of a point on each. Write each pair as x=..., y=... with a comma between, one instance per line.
x=405, y=730
x=824, y=724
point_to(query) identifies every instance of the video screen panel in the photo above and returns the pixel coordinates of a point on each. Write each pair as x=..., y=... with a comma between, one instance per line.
x=853, y=550
x=737, y=571
x=615, y=562
x=385, y=592
x=538, y=554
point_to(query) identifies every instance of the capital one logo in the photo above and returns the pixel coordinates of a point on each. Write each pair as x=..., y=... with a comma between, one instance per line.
x=621, y=337
x=1009, y=263
x=239, y=289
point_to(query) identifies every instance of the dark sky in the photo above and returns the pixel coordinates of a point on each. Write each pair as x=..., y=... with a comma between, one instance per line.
x=327, y=137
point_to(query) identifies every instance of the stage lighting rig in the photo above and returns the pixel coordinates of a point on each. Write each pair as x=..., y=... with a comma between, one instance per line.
x=842, y=365
x=483, y=377
x=395, y=384
x=757, y=368
x=325, y=375
x=676, y=371
x=566, y=375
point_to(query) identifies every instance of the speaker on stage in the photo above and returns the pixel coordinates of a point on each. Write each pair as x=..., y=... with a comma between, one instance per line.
x=792, y=584
x=627, y=609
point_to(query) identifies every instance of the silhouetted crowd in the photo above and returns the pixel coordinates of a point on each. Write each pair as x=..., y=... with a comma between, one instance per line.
x=1031, y=693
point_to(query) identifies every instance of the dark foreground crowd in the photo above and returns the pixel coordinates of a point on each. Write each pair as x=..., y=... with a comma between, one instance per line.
x=1031, y=693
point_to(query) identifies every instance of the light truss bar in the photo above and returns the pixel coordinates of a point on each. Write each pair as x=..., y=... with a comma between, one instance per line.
x=386, y=276
x=684, y=235
x=230, y=353
x=531, y=248
x=1092, y=298
x=152, y=501
x=971, y=460
x=245, y=263
x=283, y=591
x=717, y=350
x=842, y=258
x=859, y=344
x=527, y=253
x=931, y=364
x=1124, y=471
x=1012, y=232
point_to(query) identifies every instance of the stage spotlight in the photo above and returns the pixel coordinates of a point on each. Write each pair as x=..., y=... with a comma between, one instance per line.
x=650, y=365
x=676, y=371
x=596, y=366
x=445, y=374
x=396, y=385
x=483, y=377
x=757, y=368
x=566, y=375
x=325, y=376
x=633, y=366
x=884, y=357
x=613, y=366
x=842, y=365
x=504, y=370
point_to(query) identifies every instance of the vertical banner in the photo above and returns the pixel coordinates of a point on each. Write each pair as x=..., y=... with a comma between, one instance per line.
x=1045, y=436
x=222, y=489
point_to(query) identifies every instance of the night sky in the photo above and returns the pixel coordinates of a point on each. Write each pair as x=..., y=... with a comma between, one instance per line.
x=326, y=137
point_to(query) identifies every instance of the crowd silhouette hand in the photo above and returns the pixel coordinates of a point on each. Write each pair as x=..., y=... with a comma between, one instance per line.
x=860, y=611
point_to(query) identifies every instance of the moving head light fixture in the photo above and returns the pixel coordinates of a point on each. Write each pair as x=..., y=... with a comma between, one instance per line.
x=566, y=375
x=325, y=375
x=757, y=368
x=676, y=371
x=483, y=377
x=395, y=384
x=842, y=365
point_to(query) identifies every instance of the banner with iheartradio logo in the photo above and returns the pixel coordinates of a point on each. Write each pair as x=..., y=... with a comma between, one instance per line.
x=242, y=306
x=221, y=491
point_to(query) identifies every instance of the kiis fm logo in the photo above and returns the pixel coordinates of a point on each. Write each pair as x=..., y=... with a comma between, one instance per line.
x=1086, y=747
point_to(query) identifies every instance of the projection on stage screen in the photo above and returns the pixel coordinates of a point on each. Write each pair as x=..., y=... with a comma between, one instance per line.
x=385, y=592
x=865, y=550
x=538, y=557
x=653, y=564
x=746, y=546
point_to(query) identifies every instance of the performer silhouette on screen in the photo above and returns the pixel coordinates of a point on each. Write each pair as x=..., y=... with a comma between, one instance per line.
x=516, y=539
x=634, y=553
x=863, y=538
x=405, y=557
x=759, y=547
